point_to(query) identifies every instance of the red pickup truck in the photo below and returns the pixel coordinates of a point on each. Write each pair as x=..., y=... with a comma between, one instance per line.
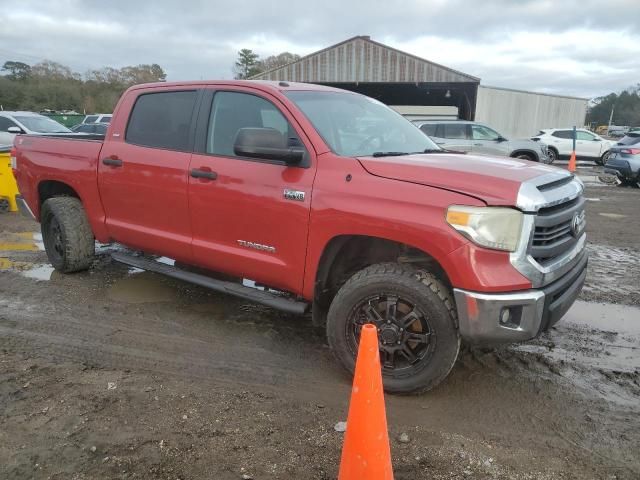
x=331, y=201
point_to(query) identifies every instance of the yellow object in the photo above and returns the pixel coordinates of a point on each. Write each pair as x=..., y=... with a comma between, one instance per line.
x=8, y=186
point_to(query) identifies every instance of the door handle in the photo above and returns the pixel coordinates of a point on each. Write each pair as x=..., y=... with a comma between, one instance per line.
x=477, y=144
x=206, y=174
x=112, y=162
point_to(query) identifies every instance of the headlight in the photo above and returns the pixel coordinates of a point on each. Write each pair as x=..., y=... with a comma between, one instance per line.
x=492, y=227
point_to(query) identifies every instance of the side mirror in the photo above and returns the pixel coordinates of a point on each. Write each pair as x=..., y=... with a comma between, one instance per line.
x=15, y=130
x=596, y=139
x=501, y=139
x=266, y=143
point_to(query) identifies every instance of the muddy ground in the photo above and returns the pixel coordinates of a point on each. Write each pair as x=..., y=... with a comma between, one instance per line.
x=115, y=373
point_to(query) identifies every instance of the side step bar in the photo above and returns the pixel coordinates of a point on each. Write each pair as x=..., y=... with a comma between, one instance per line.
x=248, y=293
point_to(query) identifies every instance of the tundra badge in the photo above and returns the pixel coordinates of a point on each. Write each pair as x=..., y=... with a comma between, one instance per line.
x=257, y=246
x=296, y=195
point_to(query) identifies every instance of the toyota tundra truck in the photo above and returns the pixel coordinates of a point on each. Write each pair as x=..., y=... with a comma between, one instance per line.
x=329, y=201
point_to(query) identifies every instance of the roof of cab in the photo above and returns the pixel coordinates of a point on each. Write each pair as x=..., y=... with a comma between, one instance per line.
x=262, y=84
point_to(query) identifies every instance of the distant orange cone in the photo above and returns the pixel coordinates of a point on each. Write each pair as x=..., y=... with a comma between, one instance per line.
x=572, y=162
x=366, y=453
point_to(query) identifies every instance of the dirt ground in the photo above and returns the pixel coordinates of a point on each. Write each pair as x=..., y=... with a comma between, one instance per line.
x=116, y=373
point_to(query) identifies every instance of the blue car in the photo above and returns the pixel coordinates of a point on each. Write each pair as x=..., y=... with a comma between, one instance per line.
x=624, y=160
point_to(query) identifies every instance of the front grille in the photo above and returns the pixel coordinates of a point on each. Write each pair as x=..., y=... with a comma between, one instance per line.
x=553, y=234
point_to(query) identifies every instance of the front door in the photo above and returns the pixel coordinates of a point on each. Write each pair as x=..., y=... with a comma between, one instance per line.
x=488, y=142
x=587, y=145
x=249, y=216
x=142, y=174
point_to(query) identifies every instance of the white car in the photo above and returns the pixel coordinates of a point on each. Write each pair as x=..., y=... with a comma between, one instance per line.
x=98, y=118
x=588, y=145
x=14, y=123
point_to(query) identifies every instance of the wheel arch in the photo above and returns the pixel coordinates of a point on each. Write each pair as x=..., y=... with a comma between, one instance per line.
x=359, y=252
x=54, y=188
x=522, y=151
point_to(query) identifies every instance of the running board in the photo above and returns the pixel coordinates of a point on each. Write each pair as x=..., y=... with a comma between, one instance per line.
x=248, y=293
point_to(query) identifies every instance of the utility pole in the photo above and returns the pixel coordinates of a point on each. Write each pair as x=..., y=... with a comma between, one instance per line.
x=610, y=118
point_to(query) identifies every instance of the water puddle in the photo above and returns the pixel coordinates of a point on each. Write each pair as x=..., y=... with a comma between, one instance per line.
x=21, y=242
x=38, y=272
x=143, y=287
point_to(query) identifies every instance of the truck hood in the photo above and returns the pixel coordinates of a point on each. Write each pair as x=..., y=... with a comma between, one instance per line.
x=494, y=180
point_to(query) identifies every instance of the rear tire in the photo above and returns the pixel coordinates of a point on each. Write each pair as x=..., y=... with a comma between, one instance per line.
x=552, y=154
x=66, y=234
x=416, y=320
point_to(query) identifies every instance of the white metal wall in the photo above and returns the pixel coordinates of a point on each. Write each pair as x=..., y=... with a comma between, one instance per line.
x=519, y=114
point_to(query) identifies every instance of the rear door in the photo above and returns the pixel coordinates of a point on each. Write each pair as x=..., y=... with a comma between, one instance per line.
x=456, y=136
x=562, y=140
x=249, y=216
x=143, y=172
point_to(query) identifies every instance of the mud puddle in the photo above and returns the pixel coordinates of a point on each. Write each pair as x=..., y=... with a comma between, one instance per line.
x=596, y=347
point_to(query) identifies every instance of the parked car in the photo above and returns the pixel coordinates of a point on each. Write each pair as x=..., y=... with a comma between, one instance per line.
x=332, y=201
x=475, y=137
x=588, y=145
x=14, y=123
x=624, y=160
x=98, y=118
x=95, y=128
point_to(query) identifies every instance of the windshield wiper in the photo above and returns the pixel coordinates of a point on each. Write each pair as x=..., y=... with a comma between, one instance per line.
x=388, y=154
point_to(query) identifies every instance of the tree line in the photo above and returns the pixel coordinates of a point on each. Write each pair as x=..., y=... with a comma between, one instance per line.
x=49, y=85
x=249, y=63
x=625, y=106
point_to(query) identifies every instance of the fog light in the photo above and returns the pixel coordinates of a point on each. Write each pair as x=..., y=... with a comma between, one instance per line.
x=505, y=316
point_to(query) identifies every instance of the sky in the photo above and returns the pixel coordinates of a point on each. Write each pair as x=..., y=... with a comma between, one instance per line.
x=574, y=47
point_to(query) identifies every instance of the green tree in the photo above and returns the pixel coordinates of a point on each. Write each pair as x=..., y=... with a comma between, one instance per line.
x=625, y=106
x=18, y=71
x=276, y=61
x=246, y=65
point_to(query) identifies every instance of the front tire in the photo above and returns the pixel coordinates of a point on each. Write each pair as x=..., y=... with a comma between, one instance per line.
x=66, y=234
x=603, y=159
x=416, y=320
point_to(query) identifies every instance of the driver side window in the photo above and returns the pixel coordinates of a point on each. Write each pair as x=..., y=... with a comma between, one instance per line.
x=232, y=111
x=480, y=132
x=5, y=124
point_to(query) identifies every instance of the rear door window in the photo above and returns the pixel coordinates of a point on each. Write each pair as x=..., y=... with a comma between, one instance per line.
x=455, y=131
x=563, y=134
x=162, y=120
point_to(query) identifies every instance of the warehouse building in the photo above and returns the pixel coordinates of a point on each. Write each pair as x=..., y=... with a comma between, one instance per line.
x=420, y=89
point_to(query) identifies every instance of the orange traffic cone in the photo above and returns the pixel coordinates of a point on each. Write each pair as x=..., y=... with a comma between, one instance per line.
x=366, y=453
x=572, y=162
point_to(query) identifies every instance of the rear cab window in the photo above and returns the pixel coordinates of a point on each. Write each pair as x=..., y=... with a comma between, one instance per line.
x=91, y=119
x=429, y=129
x=162, y=120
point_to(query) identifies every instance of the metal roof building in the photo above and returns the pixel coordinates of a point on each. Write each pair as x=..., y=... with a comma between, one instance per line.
x=418, y=88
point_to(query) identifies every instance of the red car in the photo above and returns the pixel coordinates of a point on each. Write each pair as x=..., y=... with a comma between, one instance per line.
x=331, y=200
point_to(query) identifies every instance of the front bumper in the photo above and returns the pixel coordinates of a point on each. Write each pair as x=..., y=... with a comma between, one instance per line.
x=483, y=319
x=23, y=208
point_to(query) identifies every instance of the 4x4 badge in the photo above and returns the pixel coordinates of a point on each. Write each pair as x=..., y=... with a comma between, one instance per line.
x=296, y=195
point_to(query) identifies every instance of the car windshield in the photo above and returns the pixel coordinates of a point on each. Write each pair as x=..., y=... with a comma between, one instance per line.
x=42, y=124
x=354, y=125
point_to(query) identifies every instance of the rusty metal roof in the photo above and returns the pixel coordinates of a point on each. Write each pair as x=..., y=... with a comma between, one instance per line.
x=360, y=59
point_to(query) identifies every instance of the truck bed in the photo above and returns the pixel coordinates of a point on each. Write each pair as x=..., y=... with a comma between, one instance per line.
x=47, y=160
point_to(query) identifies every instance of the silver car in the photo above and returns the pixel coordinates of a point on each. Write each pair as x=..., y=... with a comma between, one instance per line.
x=475, y=137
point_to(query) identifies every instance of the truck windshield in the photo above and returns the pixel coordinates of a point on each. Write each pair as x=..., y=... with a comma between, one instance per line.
x=357, y=126
x=42, y=124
